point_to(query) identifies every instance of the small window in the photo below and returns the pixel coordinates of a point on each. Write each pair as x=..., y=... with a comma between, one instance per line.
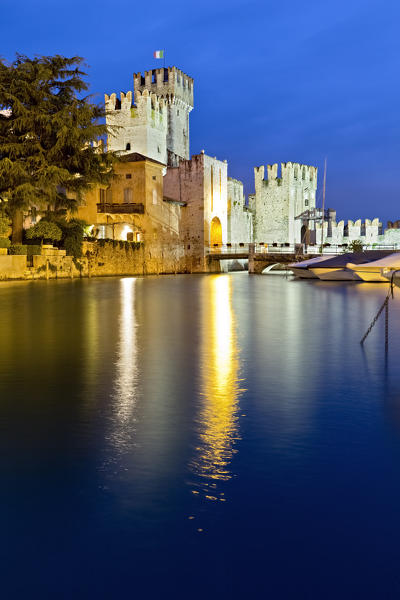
x=128, y=195
x=102, y=196
x=154, y=178
x=128, y=176
x=128, y=146
x=158, y=149
x=177, y=112
x=129, y=236
x=306, y=202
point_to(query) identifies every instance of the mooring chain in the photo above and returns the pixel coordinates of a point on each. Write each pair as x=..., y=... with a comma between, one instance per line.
x=384, y=305
x=375, y=319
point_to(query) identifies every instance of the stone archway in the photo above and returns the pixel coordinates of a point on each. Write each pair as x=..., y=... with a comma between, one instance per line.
x=215, y=232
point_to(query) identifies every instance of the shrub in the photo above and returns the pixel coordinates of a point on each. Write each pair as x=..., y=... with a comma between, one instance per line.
x=44, y=230
x=4, y=226
x=4, y=242
x=33, y=249
x=18, y=249
x=356, y=246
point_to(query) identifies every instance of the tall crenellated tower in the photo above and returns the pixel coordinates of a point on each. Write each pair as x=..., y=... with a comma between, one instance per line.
x=156, y=124
x=140, y=127
x=176, y=89
x=279, y=200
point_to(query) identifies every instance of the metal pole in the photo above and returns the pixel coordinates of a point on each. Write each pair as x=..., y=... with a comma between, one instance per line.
x=323, y=208
x=387, y=326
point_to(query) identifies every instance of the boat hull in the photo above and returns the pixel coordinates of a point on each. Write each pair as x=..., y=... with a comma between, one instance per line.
x=302, y=273
x=339, y=274
x=371, y=276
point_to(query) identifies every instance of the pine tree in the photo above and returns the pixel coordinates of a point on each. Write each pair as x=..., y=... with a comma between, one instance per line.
x=49, y=134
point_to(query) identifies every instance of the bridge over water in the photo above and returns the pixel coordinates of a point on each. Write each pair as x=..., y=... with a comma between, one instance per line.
x=261, y=256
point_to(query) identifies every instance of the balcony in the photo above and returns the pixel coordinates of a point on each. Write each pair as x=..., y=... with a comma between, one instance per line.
x=120, y=209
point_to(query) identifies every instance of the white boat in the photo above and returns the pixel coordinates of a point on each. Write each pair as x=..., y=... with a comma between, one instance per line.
x=301, y=269
x=335, y=269
x=391, y=275
x=372, y=271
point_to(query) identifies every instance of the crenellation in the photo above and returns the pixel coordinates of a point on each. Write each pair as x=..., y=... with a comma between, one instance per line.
x=280, y=199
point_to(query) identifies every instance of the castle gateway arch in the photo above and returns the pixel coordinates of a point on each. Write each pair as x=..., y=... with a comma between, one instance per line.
x=215, y=231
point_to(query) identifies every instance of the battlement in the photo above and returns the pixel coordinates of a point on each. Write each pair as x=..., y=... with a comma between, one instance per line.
x=290, y=173
x=168, y=83
x=144, y=101
x=123, y=103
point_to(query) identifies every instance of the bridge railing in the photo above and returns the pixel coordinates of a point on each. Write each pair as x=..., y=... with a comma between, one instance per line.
x=260, y=248
x=275, y=248
x=239, y=248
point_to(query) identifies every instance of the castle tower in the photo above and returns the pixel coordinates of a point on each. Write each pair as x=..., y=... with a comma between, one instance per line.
x=138, y=128
x=279, y=200
x=175, y=88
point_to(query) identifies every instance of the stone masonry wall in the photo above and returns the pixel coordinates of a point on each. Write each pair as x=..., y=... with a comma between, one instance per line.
x=98, y=260
x=278, y=200
x=143, y=126
x=240, y=218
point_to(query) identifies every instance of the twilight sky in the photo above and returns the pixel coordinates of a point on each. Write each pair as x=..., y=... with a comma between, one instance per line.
x=274, y=82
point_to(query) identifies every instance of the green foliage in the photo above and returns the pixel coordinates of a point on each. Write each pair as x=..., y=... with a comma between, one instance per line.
x=19, y=249
x=44, y=230
x=4, y=226
x=33, y=249
x=73, y=232
x=4, y=242
x=48, y=137
x=355, y=246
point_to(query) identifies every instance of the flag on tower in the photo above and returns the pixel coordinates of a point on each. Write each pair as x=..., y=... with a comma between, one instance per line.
x=159, y=54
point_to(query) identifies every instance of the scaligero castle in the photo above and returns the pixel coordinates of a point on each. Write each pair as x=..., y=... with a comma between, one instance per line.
x=181, y=205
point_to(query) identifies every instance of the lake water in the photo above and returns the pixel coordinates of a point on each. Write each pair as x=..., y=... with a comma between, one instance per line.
x=220, y=436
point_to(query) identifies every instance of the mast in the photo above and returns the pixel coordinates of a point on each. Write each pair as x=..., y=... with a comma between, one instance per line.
x=323, y=209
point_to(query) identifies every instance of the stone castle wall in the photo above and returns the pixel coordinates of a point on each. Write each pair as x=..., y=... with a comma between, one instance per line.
x=240, y=217
x=278, y=200
x=157, y=123
x=98, y=260
x=141, y=128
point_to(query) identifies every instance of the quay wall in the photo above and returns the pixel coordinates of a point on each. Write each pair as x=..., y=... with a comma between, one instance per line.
x=98, y=260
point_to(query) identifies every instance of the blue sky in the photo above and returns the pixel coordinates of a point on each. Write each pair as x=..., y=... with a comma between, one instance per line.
x=273, y=81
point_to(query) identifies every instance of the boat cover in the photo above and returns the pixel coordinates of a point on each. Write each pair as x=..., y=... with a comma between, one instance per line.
x=391, y=260
x=356, y=258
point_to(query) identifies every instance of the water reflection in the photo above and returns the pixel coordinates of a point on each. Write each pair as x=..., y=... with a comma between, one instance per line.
x=126, y=376
x=220, y=384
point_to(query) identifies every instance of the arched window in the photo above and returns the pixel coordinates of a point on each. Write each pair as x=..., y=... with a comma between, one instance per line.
x=128, y=146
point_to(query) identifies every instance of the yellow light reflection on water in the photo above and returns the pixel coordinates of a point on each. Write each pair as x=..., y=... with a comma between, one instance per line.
x=218, y=419
x=126, y=365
